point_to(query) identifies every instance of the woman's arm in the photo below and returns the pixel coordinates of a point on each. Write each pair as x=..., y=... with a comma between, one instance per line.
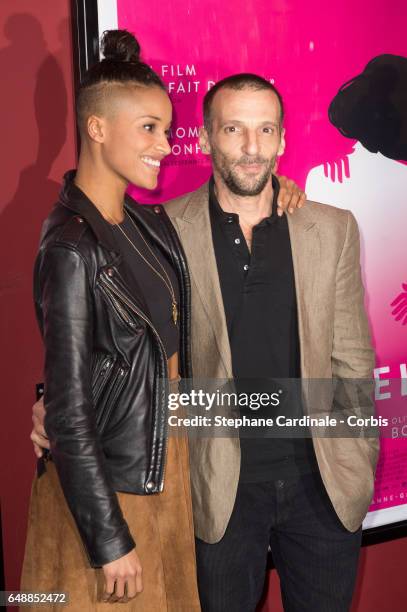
x=66, y=308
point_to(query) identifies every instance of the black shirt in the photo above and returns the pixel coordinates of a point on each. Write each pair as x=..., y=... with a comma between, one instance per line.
x=259, y=298
x=155, y=293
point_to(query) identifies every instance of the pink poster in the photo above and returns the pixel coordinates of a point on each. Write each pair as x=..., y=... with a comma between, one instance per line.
x=309, y=50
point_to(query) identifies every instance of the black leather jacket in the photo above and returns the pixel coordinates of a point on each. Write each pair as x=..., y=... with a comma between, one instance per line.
x=105, y=365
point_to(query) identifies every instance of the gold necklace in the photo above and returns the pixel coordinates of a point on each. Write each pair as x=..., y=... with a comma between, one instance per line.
x=167, y=283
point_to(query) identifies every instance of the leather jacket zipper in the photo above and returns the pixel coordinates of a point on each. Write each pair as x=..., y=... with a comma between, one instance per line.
x=116, y=384
x=102, y=377
x=110, y=286
x=121, y=312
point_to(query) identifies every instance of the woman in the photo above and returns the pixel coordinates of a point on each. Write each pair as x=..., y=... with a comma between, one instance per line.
x=111, y=291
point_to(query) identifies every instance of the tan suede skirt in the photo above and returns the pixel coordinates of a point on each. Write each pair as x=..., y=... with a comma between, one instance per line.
x=55, y=559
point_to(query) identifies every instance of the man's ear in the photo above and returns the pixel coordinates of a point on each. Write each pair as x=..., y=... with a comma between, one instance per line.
x=281, y=147
x=96, y=128
x=204, y=141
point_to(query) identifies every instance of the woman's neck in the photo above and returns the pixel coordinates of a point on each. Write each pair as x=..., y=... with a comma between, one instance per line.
x=105, y=190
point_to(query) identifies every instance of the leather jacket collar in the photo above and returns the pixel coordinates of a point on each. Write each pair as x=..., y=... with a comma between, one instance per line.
x=75, y=199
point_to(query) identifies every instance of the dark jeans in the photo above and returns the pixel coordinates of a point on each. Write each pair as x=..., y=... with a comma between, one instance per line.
x=315, y=556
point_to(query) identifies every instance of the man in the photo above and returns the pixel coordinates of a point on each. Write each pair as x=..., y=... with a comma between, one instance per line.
x=272, y=297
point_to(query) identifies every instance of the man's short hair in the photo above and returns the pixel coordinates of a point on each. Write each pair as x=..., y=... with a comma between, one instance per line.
x=244, y=80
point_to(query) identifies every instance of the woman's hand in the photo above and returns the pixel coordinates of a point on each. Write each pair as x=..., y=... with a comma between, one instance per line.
x=290, y=196
x=123, y=578
x=38, y=434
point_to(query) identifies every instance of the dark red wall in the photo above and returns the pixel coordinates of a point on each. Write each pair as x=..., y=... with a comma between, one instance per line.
x=37, y=146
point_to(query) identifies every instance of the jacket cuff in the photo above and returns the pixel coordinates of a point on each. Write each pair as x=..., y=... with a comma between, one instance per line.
x=110, y=550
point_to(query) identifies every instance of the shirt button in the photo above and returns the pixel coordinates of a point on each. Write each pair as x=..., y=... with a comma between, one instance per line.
x=237, y=240
x=245, y=267
x=230, y=219
x=157, y=210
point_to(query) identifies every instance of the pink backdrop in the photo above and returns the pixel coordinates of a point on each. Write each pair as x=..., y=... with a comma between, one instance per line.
x=309, y=49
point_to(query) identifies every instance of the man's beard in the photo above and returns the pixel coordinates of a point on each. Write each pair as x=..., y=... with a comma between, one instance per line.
x=242, y=186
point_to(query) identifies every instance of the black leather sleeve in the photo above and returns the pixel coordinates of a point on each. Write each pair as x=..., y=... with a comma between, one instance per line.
x=66, y=306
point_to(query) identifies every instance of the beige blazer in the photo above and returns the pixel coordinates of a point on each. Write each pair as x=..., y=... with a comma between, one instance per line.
x=334, y=342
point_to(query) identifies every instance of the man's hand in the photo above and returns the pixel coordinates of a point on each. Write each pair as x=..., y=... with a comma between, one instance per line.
x=38, y=435
x=290, y=196
x=123, y=578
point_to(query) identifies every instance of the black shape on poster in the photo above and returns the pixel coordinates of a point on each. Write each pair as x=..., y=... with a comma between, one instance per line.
x=372, y=107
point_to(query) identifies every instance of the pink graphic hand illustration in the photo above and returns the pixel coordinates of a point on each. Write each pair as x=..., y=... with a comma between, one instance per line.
x=337, y=169
x=400, y=303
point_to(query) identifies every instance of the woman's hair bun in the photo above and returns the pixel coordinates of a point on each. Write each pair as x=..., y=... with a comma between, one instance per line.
x=120, y=46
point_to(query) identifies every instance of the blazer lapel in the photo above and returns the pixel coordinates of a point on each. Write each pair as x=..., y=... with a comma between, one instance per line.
x=305, y=248
x=195, y=232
